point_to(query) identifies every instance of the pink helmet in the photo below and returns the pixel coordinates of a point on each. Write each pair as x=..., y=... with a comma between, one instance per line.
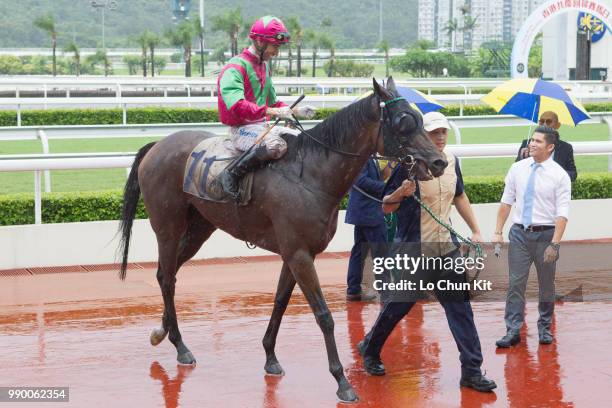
x=270, y=29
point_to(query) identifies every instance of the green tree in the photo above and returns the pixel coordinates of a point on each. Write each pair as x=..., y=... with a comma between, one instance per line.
x=534, y=65
x=469, y=23
x=219, y=55
x=297, y=37
x=143, y=42
x=231, y=23
x=423, y=45
x=383, y=46
x=159, y=64
x=10, y=65
x=47, y=23
x=99, y=58
x=183, y=37
x=451, y=29
x=199, y=30
x=74, y=49
x=326, y=41
x=153, y=40
x=133, y=63
x=313, y=38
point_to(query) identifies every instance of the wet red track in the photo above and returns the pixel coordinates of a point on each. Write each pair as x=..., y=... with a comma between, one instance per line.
x=89, y=331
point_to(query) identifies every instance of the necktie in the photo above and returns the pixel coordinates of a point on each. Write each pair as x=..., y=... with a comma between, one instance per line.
x=528, y=200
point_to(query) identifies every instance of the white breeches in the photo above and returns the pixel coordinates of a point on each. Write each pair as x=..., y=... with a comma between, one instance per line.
x=243, y=137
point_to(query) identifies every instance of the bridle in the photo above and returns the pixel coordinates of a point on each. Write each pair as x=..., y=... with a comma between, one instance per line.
x=388, y=121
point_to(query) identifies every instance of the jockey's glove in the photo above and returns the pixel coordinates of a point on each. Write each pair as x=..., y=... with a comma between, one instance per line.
x=306, y=111
x=284, y=112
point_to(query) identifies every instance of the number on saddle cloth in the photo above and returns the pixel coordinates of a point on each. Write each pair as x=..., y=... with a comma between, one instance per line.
x=205, y=163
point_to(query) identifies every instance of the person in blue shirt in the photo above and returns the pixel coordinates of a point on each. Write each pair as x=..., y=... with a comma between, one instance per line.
x=370, y=227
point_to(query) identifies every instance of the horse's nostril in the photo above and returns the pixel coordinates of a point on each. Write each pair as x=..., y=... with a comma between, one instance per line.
x=439, y=165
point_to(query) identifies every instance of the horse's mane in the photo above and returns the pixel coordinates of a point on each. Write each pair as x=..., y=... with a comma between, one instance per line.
x=334, y=131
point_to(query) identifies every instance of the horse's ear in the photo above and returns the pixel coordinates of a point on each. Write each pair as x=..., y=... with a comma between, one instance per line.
x=379, y=90
x=391, y=84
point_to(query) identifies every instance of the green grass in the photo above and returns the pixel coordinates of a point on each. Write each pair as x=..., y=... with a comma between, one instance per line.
x=69, y=180
x=92, y=180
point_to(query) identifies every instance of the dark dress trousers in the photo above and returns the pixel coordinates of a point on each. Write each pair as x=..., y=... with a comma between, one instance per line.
x=369, y=221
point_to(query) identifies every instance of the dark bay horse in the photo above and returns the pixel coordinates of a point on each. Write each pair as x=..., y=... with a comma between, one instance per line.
x=293, y=210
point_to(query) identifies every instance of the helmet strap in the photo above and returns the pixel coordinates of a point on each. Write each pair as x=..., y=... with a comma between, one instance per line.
x=260, y=50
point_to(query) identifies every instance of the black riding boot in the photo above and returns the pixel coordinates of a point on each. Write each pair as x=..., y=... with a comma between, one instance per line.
x=230, y=178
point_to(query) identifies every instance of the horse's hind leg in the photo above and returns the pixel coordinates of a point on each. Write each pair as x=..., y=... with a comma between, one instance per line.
x=302, y=266
x=198, y=231
x=286, y=283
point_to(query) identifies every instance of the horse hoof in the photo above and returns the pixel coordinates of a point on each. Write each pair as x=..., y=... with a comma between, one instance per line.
x=186, y=359
x=157, y=336
x=347, y=396
x=274, y=369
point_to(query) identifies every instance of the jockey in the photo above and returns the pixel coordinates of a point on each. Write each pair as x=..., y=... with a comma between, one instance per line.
x=247, y=99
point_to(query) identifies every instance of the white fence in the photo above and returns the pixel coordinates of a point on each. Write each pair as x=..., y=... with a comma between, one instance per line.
x=47, y=161
x=39, y=163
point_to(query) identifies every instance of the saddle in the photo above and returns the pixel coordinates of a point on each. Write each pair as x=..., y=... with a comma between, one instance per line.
x=206, y=161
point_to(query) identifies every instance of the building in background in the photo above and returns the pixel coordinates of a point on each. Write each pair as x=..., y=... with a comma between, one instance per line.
x=469, y=23
x=444, y=23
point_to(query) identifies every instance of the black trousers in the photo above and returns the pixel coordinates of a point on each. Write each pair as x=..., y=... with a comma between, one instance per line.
x=458, y=314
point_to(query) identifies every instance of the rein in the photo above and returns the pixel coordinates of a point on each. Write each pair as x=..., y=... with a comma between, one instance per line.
x=383, y=123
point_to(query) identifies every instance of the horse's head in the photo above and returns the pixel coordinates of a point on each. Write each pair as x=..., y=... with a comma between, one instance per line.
x=403, y=134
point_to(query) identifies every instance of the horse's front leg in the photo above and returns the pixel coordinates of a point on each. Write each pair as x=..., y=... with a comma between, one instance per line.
x=301, y=264
x=286, y=283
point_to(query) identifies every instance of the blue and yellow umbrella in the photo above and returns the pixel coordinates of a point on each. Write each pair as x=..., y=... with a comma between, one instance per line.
x=418, y=100
x=423, y=102
x=529, y=98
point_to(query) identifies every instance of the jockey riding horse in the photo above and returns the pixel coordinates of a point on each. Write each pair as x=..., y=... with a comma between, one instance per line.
x=246, y=99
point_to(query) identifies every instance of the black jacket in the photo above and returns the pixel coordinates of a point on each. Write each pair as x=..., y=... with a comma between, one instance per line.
x=563, y=154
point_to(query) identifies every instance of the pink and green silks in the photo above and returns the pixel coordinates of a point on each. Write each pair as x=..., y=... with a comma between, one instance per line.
x=245, y=90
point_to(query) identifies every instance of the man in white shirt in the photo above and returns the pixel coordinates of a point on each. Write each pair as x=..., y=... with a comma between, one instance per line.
x=540, y=190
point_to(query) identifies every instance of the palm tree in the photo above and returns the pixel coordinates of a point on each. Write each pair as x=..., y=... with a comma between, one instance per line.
x=102, y=57
x=143, y=41
x=47, y=23
x=153, y=40
x=469, y=23
x=326, y=41
x=384, y=47
x=73, y=48
x=199, y=30
x=183, y=37
x=312, y=37
x=451, y=28
x=231, y=22
x=297, y=35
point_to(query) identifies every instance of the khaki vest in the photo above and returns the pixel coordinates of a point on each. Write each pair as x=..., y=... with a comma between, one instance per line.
x=438, y=194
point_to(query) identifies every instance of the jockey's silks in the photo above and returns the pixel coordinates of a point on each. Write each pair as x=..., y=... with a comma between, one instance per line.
x=245, y=90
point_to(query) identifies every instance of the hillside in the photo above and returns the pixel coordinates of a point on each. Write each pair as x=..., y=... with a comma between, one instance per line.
x=354, y=22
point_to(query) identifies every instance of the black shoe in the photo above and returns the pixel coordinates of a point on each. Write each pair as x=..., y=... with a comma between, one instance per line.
x=478, y=382
x=546, y=337
x=509, y=340
x=373, y=365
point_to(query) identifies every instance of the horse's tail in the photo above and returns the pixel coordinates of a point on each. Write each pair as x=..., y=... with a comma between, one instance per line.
x=131, y=195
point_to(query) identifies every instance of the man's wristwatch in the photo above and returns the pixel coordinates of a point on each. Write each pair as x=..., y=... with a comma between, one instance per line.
x=555, y=246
